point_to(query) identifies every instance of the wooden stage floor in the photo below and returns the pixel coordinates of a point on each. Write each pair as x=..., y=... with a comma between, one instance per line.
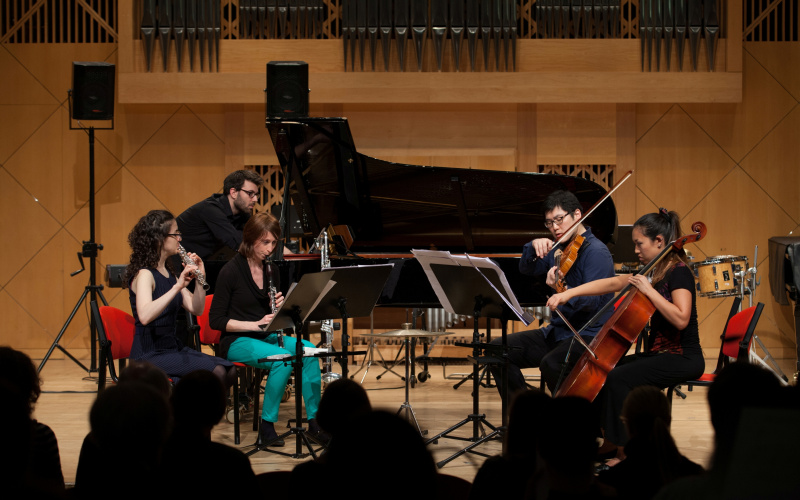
x=69, y=393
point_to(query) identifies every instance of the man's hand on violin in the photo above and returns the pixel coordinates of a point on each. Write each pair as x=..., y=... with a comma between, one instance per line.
x=542, y=246
x=553, y=275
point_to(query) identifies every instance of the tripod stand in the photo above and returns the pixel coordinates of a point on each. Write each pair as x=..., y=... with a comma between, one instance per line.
x=90, y=249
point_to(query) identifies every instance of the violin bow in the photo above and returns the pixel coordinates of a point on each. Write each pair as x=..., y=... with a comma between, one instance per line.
x=566, y=236
x=575, y=333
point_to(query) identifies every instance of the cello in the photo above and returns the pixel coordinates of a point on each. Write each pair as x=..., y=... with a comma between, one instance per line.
x=614, y=340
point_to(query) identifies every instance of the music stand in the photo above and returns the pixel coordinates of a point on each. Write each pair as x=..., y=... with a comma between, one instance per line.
x=300, y=301
x=470, y=286
x=357, y=290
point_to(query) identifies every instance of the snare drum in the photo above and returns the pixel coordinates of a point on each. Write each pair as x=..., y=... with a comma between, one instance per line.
x=719, y=276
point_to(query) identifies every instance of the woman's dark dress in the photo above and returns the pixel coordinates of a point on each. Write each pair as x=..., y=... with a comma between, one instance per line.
x=157, y=343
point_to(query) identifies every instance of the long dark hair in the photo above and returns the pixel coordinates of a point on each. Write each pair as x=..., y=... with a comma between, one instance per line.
x=666, y=224
x=255, y=228
x=146, y=240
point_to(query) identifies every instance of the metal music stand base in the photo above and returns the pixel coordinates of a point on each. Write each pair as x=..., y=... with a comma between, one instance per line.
x=478, y=420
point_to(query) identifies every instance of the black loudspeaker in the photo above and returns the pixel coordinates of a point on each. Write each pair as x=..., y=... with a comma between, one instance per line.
x=92, y=91
x=287, y=89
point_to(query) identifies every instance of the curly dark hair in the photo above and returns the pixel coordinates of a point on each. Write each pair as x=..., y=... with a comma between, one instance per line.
x=19, y=378
x=146, y=239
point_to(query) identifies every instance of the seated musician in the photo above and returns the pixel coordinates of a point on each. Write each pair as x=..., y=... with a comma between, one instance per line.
x=242, y=305
x=547, y=347
x=673, y=352
x=157, y=290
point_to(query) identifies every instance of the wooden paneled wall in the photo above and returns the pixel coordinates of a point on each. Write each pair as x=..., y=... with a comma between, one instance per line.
x=729, y=165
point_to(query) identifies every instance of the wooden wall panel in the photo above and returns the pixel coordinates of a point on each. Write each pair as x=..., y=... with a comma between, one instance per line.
x=677, y=159
x=576, y=134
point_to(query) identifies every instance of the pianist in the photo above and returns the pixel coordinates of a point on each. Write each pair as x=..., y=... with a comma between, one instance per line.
x=241, y=305
x=212, y=228
x=546, y=348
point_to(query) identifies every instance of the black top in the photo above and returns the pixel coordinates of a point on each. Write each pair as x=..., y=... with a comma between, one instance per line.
x=210, y=226
x=238, y=297
x=664, y=337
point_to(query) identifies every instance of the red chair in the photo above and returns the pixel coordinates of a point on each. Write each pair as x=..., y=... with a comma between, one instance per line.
x=737, y=338
x=208, y=336
x=115, y=331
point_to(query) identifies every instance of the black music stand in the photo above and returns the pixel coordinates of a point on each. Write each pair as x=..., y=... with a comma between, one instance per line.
x=300, y=301
x=357, y=290
x=465, y=289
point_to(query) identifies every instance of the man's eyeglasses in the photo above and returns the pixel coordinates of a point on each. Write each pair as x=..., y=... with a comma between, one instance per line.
x=251, y=194
x=548, y=223
x=177, y=236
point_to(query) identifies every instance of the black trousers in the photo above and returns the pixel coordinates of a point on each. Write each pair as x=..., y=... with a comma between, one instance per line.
x=536, y=350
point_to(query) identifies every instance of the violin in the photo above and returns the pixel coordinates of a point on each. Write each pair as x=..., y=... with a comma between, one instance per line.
x=565, y=261
x=570, y=253
x=614, y=340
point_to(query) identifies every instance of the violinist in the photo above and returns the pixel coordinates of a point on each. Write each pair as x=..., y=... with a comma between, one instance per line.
x=673, y=352
x=547, y=348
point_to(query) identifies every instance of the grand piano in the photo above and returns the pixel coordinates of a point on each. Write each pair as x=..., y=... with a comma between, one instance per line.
x=391, y=208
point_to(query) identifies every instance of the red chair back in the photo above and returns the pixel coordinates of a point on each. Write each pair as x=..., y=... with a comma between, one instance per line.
x=120, y=329
x=740, y=327
x=207, y=334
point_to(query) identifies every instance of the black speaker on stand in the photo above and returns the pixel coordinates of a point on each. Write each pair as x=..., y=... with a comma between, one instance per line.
x=91, y=98
x=287, y=89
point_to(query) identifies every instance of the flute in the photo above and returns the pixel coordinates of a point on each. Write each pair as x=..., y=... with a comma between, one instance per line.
x=201, y=278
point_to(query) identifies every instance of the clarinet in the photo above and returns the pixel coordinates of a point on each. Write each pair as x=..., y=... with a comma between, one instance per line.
x=272, y=292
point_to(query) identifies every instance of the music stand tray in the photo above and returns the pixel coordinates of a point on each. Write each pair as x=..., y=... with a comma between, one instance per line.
x=478, y=287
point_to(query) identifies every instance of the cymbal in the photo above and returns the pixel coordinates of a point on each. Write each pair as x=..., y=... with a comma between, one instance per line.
x=406, y=333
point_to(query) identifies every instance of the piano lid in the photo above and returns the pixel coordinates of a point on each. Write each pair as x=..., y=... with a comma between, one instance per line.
x=393, y=207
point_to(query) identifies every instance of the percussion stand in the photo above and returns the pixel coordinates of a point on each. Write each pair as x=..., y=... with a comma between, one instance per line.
x=369, y=359
x=767, y=361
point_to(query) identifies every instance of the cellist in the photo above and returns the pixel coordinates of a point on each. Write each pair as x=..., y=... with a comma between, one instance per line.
x=672, y=352
x=547, y=347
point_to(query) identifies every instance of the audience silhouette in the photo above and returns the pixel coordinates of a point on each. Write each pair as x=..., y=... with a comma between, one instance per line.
x=30, y=464
x=198, y=404
x=129, y=425
x=652, y=458
x=512, y=475
x=568, y=447
x=748, y=393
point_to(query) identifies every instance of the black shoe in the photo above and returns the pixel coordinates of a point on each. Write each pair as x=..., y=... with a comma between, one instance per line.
x=268, y=436
x=317, y=434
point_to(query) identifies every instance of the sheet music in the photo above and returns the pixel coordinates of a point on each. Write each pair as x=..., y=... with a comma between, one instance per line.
x=428, y=257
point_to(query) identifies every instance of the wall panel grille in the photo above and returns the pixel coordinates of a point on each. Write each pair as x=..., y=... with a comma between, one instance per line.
x=770, y=21
x=58, y=21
